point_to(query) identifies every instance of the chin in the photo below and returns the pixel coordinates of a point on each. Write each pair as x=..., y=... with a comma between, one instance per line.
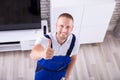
x=64, y=36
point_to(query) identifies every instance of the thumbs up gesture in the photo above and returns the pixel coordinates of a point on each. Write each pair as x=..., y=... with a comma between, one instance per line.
x=49, y=52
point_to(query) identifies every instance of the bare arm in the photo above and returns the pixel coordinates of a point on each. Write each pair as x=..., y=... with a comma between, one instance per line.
x=37, y=52
x=70, y=67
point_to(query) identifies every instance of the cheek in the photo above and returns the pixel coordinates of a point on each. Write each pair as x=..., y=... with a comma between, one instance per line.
x=58, y=28
x=71, y=29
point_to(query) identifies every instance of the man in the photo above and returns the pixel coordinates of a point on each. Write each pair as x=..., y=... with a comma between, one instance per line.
x=60, y=41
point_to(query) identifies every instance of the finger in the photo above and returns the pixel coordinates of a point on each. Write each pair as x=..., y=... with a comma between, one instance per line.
x=49, y=51
x=49, y=43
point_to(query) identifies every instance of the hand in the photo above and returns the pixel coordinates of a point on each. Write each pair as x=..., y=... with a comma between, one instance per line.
x=49, y=52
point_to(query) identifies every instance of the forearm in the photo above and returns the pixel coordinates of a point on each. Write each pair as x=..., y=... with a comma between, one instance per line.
x=37, y=52
x=70, y=67
x=35, y=55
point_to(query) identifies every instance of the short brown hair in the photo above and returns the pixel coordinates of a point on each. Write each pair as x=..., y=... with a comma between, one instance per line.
x=67, y=15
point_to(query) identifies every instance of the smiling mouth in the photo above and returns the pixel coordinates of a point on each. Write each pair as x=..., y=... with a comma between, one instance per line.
x=64, y=34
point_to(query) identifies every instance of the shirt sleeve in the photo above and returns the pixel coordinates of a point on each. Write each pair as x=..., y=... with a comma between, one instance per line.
x=76, y=47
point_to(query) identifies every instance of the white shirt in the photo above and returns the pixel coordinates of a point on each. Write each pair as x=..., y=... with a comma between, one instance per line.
x=59, y=49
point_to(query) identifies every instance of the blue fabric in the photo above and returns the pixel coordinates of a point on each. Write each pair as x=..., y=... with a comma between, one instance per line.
x=52, y=69
x=47, y=75
x=71, y=45
x=55, y=68
x=57, y=63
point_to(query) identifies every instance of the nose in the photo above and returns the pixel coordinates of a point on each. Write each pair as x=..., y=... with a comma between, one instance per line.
x=64, y=29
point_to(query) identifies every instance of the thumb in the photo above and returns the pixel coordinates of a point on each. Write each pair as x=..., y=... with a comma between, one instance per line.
x=49, y=43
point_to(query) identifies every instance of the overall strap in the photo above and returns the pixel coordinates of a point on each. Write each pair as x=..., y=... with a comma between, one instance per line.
x=71, y=45
x=47, y=36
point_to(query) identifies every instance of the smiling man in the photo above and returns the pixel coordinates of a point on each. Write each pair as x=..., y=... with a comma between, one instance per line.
x=56, y=53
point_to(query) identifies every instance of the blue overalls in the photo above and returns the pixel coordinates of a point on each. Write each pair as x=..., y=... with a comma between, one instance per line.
x=55, y=68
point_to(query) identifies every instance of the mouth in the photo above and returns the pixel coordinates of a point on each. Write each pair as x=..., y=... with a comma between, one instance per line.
x=64, y=34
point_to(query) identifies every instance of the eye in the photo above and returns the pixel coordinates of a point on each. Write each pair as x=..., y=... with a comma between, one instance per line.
x=61, y=26
x=68, y=27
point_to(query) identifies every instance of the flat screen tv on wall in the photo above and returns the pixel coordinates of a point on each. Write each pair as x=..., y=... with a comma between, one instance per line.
x=20, y=15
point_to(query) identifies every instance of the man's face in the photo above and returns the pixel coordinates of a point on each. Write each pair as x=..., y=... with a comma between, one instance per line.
x=64, y=27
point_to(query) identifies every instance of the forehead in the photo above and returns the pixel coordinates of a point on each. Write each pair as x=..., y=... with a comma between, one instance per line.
x=65, y=20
